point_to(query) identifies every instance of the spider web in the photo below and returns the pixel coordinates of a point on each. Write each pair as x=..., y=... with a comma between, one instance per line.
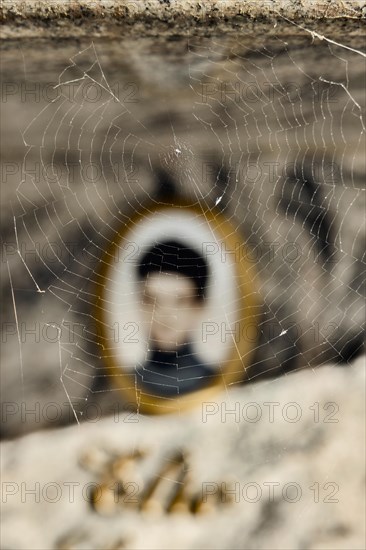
x=271, y=135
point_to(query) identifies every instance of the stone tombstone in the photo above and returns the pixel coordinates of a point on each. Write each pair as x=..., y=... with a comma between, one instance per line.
x=183, y=274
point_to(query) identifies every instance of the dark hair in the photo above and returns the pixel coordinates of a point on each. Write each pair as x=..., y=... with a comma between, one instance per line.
x=174, y=257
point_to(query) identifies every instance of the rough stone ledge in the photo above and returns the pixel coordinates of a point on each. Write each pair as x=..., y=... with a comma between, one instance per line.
x=29, y=18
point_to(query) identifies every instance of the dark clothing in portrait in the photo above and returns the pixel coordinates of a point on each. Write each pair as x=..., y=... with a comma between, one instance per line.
x=174, y=373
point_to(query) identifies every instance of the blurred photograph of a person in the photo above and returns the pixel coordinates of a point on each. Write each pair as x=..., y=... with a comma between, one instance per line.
x=175, y=280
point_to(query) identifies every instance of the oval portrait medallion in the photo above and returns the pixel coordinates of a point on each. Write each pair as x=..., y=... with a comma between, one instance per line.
x=175, y=300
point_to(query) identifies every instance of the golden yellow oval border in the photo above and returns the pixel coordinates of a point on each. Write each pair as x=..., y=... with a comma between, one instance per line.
x=248, y=313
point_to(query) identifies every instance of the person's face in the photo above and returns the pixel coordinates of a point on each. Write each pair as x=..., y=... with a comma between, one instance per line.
x=171, y=307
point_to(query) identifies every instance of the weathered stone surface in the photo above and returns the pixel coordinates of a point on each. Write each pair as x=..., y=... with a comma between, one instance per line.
x=108, y=18
x=311, y=452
